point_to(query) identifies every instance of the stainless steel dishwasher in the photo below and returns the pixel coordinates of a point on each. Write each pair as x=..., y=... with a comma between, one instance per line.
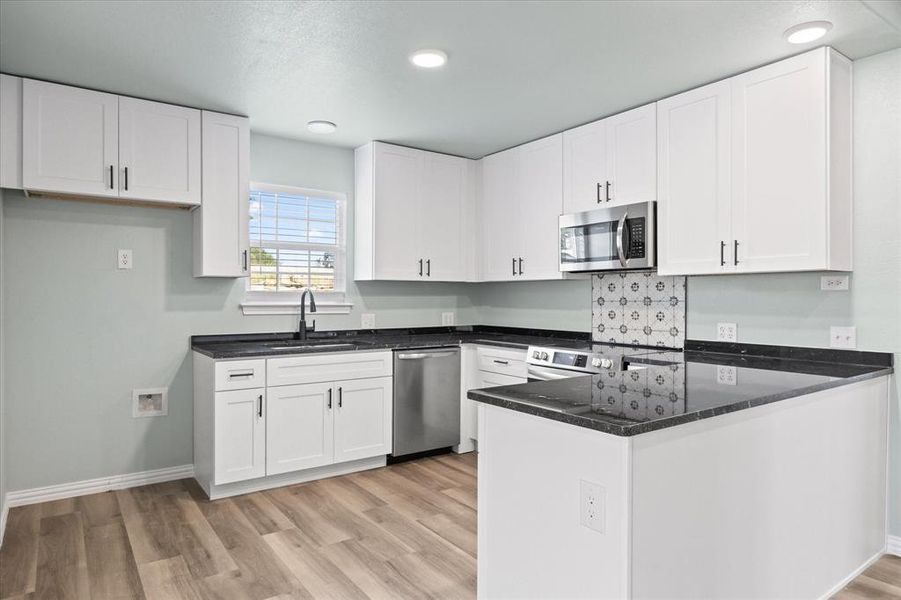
x=426, y=399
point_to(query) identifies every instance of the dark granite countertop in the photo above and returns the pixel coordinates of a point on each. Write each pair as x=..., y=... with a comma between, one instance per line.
x=672, y=388
x=283, y=344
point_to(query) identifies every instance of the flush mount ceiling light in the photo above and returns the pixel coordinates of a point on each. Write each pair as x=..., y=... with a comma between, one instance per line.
x=807, y=32
x=322, y=126
x=429, y=58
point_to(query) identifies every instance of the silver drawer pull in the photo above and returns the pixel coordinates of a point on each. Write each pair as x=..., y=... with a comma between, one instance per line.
x=501, y=362
x=240, y=374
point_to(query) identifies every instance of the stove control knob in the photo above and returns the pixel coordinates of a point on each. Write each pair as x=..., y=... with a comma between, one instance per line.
x=604, y=363
x=536, y=354
x=543, y=356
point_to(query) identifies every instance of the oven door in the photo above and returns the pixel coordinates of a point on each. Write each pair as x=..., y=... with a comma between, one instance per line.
x=541, y=373
x=609, y=239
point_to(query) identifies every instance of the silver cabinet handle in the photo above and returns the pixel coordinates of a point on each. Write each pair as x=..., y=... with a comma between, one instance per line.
x=607, y=193
x=722, y=253
x=501, y=362
x=240, y=374
x=735, y=253
x=421, y=355
x=598, y=194
x=620, y=234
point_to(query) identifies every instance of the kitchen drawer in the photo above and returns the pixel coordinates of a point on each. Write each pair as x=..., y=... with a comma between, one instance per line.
x=240, y=374
x=504, y=361
x=490, y=380
x=314, y=368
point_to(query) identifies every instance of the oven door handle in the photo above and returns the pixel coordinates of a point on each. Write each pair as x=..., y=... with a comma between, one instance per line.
x=620, y=239
x=548, y=374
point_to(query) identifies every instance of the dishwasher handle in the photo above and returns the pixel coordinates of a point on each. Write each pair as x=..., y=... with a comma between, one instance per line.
x=421, y=355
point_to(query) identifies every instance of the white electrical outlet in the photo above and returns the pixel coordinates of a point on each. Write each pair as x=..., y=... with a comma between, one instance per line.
x=726, y=375
x=834, y=283
x=447, y=319
x=593, y=509
x=367, y=321
x=726, y=332
x=125, y=259
x=843, y=337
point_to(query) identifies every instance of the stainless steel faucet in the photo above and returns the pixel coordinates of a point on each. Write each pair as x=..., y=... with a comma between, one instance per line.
x=302, y=326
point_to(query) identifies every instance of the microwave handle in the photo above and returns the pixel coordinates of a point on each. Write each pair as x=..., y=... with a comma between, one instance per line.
x=620, y=239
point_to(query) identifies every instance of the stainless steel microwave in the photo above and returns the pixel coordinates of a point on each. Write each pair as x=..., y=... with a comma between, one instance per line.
x=614, y=238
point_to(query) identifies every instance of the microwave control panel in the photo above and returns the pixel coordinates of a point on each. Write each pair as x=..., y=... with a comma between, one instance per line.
x=637, y=238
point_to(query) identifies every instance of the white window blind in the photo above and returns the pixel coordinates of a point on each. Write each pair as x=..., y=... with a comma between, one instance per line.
x=296, y=240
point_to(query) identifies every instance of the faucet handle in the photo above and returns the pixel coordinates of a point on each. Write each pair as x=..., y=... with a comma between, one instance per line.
x=313, y=326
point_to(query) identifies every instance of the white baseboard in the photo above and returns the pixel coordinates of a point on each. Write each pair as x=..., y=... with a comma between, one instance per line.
x=93, y=486
x=893, y=545
x=4, y=512
x=851, y=577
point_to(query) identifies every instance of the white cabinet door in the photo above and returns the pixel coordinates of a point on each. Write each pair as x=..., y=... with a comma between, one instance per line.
x=363, y=418
x=299, y=433
x=632, y=155
x=221, y=235
x=240, y=434
x=500, y=215
x=396, y=182
x=540, y=205
x=440, y=217
x=159, y=151
x=780, y=165
x=694, y=194
x=585, y=167
x=70, y=139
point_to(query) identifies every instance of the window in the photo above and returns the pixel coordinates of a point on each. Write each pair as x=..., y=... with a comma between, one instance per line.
x=297, y=241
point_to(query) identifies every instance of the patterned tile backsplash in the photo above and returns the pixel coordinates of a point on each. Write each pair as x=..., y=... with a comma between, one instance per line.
x=640, y=309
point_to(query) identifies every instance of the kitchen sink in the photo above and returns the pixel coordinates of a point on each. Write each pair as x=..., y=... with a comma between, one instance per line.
x=309, y=344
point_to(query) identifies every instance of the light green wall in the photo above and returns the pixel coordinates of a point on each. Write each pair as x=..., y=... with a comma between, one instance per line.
x=81, y=334
x=562, y=305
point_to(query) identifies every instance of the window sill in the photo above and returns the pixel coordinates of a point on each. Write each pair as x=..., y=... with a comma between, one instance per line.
x=293, y=308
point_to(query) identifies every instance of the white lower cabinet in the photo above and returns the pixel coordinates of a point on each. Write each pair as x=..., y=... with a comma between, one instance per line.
x=324, y=409
x=299, y=432
x=240, y=433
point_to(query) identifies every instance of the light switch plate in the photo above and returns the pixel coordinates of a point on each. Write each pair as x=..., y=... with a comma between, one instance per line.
x=367, y=321
x=726, y=375
x=834, y=283
x=447, y=319
x=727, y=332
x=125, y=260
x=843, y=337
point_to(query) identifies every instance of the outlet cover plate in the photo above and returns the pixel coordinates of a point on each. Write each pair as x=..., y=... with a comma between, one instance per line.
x=727, y=332
x=835, y=283
x=592, y=505
x=126, y=259
x=367, y=321
x=447, y=319
x=843, y=337
x=726, y=375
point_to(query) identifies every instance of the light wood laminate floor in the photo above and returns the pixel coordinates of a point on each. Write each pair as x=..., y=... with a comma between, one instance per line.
x=404, y=531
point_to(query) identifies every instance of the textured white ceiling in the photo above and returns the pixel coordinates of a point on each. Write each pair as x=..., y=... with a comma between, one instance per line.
x=517, y=70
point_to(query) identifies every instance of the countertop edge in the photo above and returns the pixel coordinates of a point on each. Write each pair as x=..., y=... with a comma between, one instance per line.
x=631, y=430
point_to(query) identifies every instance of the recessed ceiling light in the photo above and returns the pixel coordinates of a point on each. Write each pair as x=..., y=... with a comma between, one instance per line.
x=429, y=59
x=807, y=32
x=322, y=126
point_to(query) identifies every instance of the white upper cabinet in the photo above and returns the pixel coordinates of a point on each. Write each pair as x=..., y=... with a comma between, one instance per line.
x=221, y=234
x=159, y=152
x=693, y=173
x=410, y=214
x=522, y=192
x=585, y=167
x=70, y=140
x=79, y=142
x=540, y=198
x=755, y=171
x=611, y=161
